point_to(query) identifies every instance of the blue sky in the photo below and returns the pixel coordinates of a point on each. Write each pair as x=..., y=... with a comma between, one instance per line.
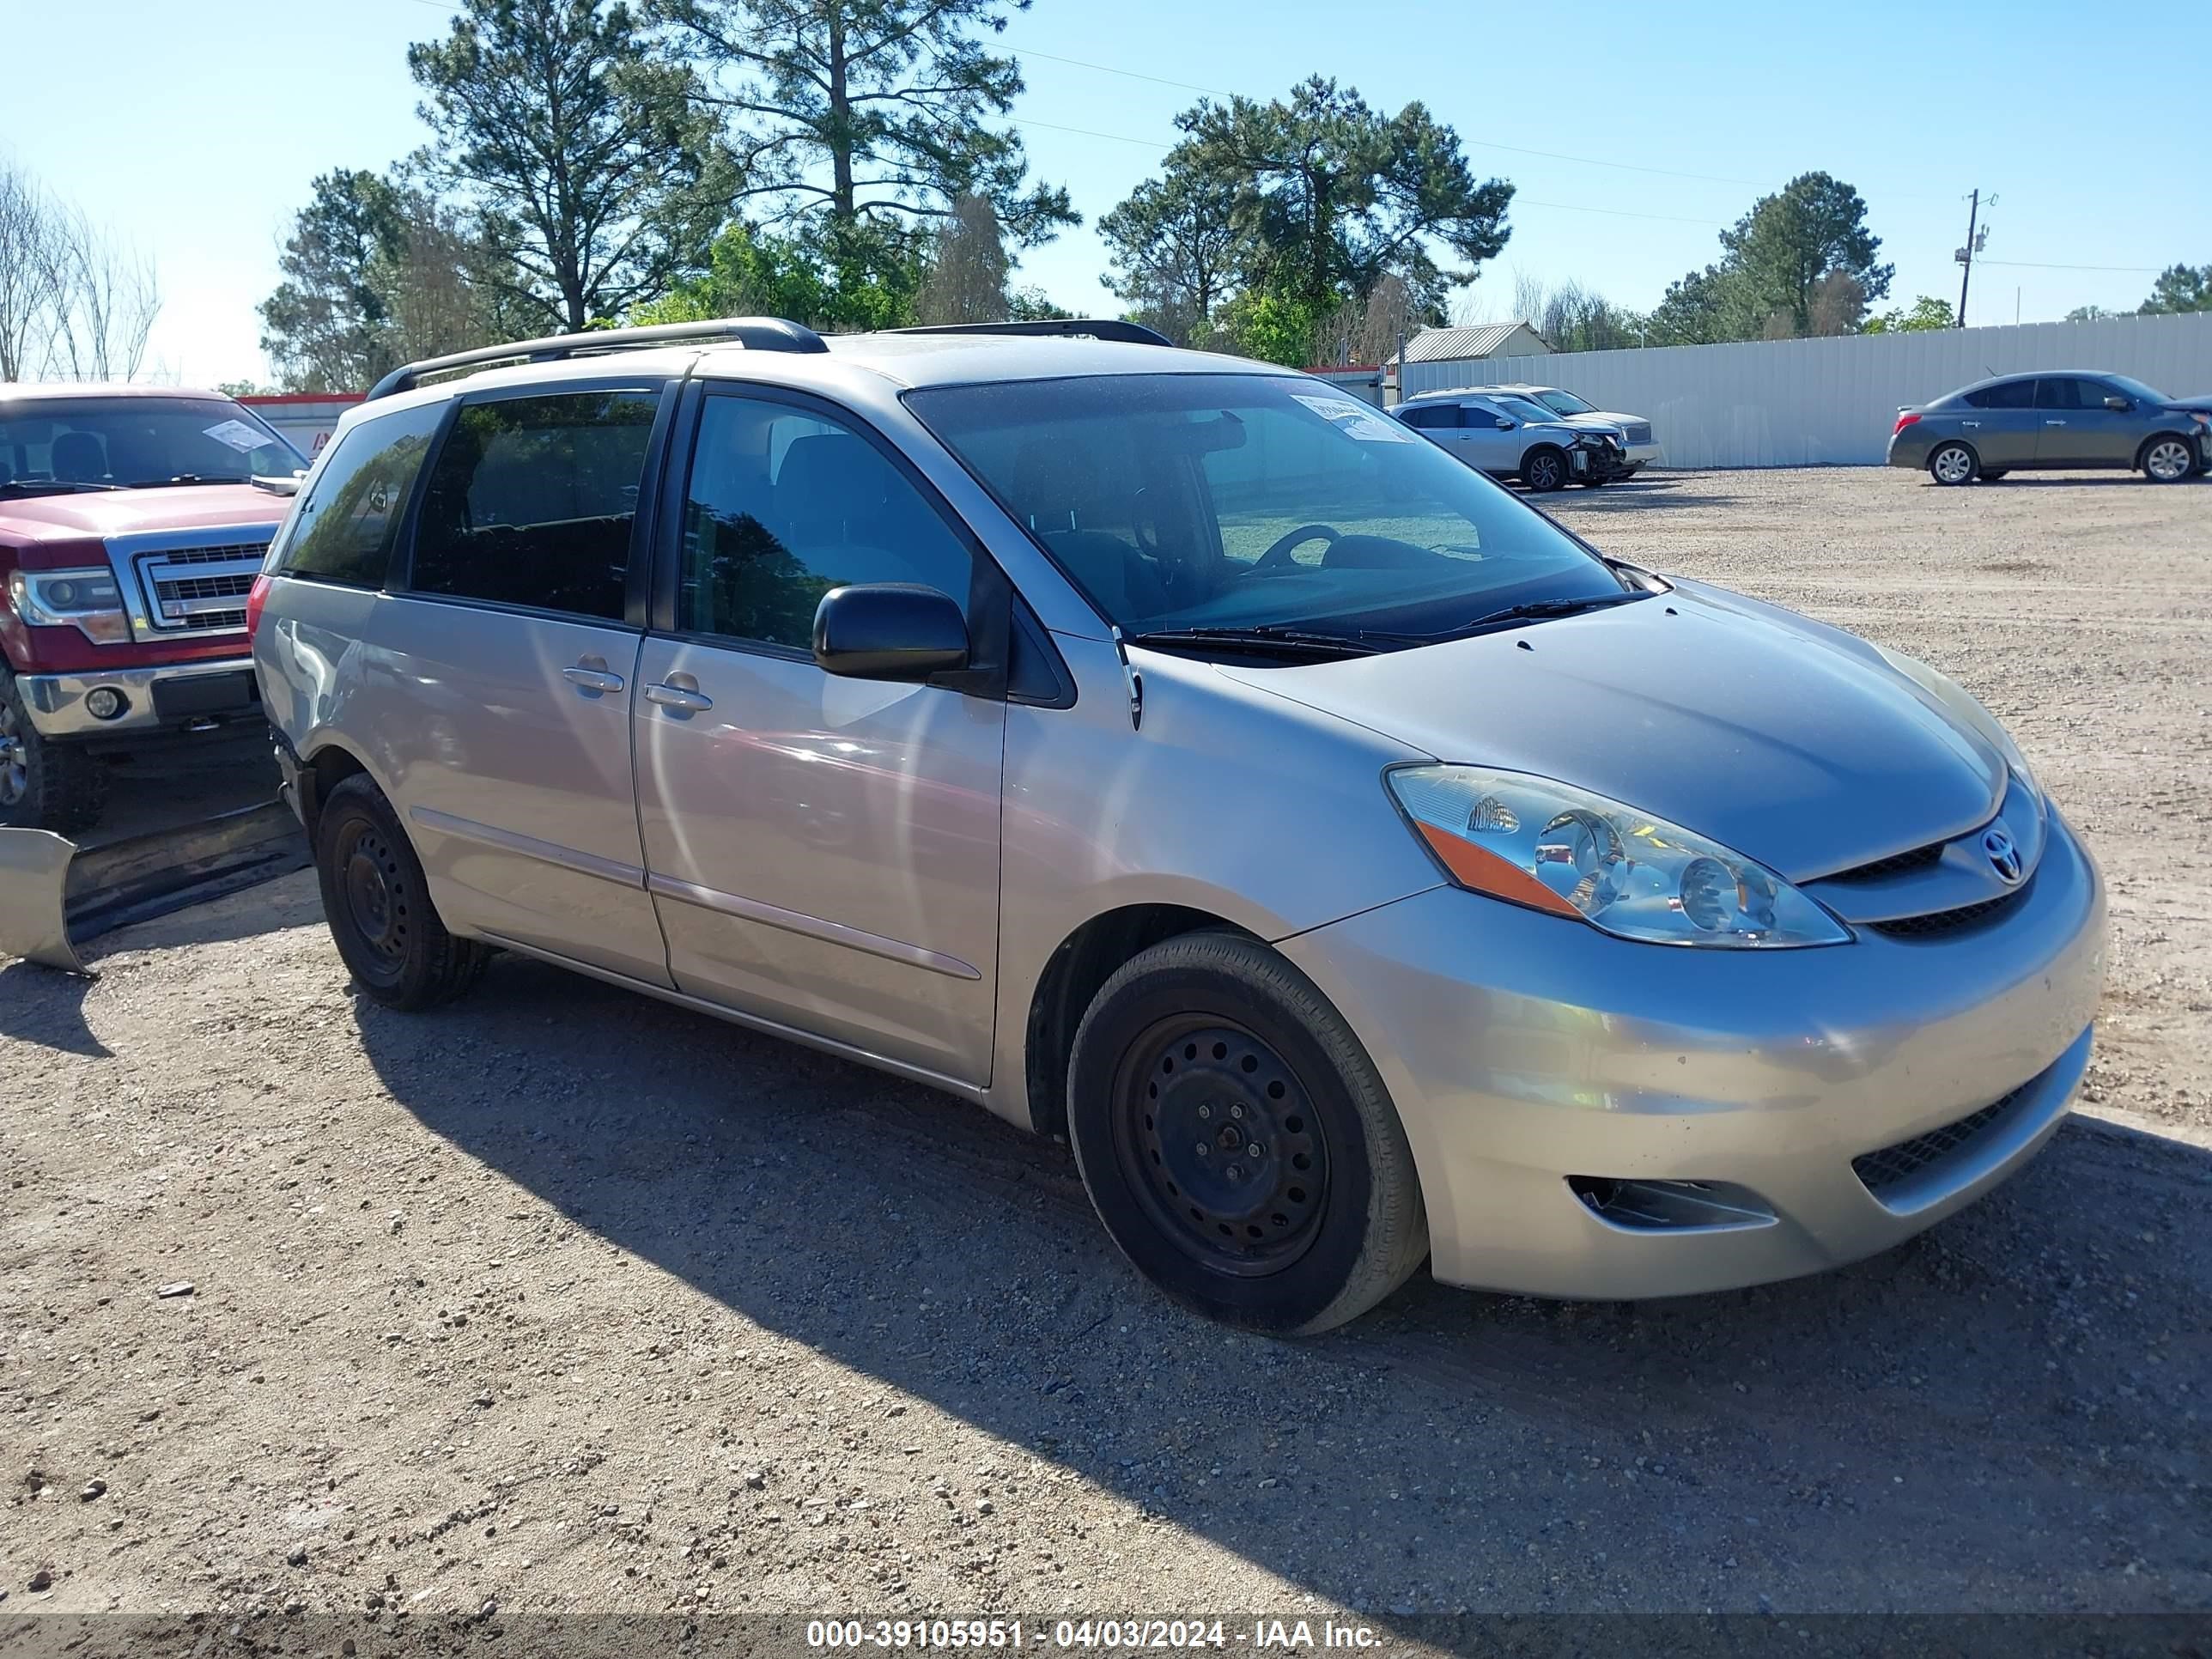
x=193, y=129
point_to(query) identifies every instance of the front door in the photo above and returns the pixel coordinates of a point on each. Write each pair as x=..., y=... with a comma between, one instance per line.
x=823, y=852
x=2076, y=429
x=1484, y=442
x=507, y=657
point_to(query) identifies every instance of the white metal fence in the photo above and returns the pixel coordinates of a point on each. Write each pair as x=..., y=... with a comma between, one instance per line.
x=1831, y=402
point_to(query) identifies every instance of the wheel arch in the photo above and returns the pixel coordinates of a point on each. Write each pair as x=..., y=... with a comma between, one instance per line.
x=1083, y=962
x=2143, y=449
x=327, y=765
x=1536, y=449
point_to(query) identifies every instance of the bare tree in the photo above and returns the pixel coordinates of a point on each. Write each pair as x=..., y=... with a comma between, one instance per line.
x=106, y=295
x=75, y=302
x=26, y=272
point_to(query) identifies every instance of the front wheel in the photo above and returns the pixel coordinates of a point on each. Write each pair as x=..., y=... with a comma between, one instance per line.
x=44, y=785
x=1544, y=469
x=1953, y=464
x=379, y=908
x=1236, y=1142
x=2168, y=460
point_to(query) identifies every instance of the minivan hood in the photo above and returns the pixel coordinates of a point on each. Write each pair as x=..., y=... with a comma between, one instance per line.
x=1788, y=741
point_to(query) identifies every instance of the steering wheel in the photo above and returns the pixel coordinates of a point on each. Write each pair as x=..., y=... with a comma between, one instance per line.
x=1278, y=555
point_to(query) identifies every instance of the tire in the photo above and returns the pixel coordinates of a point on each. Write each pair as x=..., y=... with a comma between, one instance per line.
x=1953, y=463
x=44, y=785
x=1544, y=469
x=1199, y=1038
x=1595, y=482
x=2167, y=458
x=379, y=908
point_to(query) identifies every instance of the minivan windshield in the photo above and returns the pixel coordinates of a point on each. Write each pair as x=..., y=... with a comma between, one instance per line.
x=1181, y=502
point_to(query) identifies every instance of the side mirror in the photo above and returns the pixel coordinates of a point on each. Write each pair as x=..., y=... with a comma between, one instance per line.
x=889, y=631
x=2118, y=403
x=1504, y=425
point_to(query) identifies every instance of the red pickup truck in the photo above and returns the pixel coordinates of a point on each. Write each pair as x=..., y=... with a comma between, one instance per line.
x=131, y=532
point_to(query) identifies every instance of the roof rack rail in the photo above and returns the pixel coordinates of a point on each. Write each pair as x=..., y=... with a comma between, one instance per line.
x=1091, y=328
x=754, y=333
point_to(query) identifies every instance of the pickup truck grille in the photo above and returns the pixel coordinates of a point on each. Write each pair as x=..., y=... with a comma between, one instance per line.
x=199, y=589
x=1639, y=432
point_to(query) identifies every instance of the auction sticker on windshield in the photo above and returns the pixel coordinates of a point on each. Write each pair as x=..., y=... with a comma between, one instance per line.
x=1357, y=419
x=238, y=435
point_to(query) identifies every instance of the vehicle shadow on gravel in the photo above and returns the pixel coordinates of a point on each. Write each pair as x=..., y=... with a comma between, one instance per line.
x=2006, y=1413
x=45, y=1007
x=1634, y=496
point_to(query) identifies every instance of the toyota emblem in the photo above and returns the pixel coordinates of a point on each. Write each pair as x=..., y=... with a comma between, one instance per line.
x=2003, y=855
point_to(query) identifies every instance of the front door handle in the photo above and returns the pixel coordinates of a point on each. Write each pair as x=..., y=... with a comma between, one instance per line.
x=677, y=697
x=591, y=679
x=1971, y=425
x=2054, y=423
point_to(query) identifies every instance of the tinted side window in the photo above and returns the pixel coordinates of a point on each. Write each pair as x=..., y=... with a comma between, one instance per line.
x=346, y=528
x=1434, y=417
x=2006, y=394
x=2065, y=393
x=783, y=505
x=532, y=500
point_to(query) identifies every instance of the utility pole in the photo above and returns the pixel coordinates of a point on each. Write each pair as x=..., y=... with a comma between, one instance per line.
x=1977, y=239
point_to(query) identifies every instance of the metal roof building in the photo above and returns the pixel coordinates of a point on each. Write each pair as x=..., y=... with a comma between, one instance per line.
x=1434, y=345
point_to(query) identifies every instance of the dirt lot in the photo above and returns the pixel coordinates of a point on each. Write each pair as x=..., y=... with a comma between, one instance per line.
x=565, y=1300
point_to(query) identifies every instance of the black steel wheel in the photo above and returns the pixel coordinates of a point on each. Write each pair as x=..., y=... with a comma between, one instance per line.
x=1237, y=1141
x=1216, y=1134
x=378, y=904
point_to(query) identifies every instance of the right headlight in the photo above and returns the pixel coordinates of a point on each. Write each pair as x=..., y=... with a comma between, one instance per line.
x=1554, y=848
x=87, y=600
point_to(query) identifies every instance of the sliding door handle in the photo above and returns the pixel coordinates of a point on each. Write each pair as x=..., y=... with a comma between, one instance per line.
x=591, y=679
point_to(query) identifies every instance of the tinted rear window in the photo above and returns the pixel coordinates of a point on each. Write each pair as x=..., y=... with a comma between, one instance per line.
x=532, y=500
x=2006, y=394
x=347, y=524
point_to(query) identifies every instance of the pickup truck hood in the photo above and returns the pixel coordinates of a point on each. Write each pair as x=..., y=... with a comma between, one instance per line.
x=1790, y=742
x=30, y=520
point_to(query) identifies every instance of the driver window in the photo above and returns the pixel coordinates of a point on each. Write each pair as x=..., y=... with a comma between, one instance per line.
x=784, y=505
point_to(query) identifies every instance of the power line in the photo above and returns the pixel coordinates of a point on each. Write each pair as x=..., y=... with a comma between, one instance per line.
x=2037, y=265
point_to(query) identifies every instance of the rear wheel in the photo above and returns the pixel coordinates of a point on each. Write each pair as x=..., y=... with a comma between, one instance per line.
x=1544, y=469
x=2168, y=459
x=1237, y=1141
x=379, y=908
x=1953, y=464
x=44, y=785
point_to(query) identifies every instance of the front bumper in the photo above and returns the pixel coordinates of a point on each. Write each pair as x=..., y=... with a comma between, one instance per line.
x=1643, y=455
x=1523, y=1050
x=168, y=696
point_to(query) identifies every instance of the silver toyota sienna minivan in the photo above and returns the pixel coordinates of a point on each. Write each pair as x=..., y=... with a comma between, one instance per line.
x=1171, y=754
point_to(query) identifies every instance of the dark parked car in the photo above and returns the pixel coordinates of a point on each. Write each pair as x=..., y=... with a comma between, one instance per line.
x=2079, y=418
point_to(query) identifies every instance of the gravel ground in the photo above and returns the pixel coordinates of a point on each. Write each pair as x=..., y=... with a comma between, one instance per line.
x=565, y=1300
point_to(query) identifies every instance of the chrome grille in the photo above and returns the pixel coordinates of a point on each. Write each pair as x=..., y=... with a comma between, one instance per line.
x=1891, y=1166
x=1639, y=432
x=199, y=589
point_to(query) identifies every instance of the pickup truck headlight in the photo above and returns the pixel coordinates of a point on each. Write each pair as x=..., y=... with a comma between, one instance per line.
x=1557, y=848
x=87, y=600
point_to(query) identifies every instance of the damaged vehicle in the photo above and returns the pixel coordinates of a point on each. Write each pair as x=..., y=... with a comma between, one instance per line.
x=1175, y=756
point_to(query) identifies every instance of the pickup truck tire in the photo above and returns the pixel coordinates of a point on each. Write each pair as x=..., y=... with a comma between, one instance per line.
x=1237, y=1140
x=378, y=904
x=44, y=785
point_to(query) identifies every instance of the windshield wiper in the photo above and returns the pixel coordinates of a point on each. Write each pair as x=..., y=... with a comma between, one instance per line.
x=1535, y=610
x=187, y=478
x=1266, y=636
x=49, y=487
